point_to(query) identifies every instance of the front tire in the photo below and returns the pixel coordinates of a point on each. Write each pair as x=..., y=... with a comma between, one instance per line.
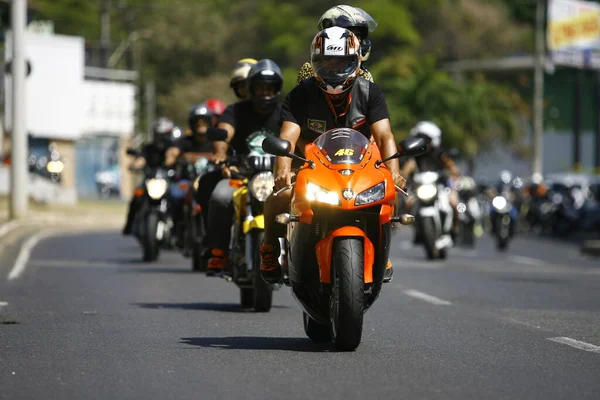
x=429, y=238
x=347, y=299
x=150, y=242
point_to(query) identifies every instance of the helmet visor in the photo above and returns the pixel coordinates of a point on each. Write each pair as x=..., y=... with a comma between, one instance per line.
x=335, y=69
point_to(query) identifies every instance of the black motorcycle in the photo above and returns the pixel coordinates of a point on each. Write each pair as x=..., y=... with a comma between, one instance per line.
x=153, y=224
x=503, y=217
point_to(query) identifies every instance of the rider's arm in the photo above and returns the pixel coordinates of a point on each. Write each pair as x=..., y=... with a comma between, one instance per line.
x=290, y=131
x=382, y=133
x=450, y=166
x=220, y=147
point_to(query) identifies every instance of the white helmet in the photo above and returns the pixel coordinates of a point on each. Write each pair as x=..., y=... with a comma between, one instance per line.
x=430, y=130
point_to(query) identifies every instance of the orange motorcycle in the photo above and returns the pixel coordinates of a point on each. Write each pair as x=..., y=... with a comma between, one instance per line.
x=339, y=230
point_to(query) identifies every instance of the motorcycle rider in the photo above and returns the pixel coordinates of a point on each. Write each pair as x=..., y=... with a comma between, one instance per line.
x=260, y=110
x=356, y=20
x=152, y=155
x=335, y=97
x=436, y=160
x=200, y=117
x=239, y=77
x=504, y=187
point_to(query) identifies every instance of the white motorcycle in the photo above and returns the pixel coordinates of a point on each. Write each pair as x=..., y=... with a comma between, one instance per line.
x=433, y=214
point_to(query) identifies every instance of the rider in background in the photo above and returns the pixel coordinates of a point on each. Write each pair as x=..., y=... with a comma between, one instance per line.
x=152, y=155
x=200, y=117
x=260, y=111
x=239, y=77
x=436, y=160
x=357, y=21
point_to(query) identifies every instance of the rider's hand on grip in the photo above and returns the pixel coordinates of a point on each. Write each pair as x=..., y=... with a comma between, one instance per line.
x=219, y=158
x=227, y=171
x=283, y=179
x=399, y=181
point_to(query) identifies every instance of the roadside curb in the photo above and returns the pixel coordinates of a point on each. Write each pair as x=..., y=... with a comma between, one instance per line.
x=591, y=247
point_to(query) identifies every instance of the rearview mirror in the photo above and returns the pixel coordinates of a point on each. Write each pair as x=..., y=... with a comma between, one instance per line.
x=413, y=147
x=276, y=146
x=216, y=134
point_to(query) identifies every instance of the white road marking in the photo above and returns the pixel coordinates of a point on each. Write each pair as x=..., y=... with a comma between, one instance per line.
x=426, y=297
x=25, y=253
x=526, y=260
x=576, y=344
x=3, y=303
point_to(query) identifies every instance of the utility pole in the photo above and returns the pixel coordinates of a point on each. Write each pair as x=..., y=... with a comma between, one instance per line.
x=597, y=127
x=150, y=97
x=19, y=176
x=538, y=98
x=577, y=120
x=105, y=33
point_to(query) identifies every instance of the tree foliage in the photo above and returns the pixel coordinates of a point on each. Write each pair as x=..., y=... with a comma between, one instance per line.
x=195, y=43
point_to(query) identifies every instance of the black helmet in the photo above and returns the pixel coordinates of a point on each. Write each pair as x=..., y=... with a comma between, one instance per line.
x=265, y=71
x=352, y=18
x=162, y=129
x=199, y=111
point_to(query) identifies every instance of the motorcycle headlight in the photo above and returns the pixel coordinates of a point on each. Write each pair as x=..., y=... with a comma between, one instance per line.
x=318, y=194
x=426, y=192
x=156, y=188
x=261, y=186
x=499, y=202
x=376, y=193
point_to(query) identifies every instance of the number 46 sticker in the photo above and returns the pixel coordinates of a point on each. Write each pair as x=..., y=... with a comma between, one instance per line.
x=344, y=152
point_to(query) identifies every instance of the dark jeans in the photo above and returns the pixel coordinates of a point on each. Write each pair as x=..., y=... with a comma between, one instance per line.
x=220, y=217
x=206, y=186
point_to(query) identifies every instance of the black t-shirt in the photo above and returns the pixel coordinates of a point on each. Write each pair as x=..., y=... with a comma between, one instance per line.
x=246, y=120
x=431, y=161
x=153, y=154
x=306, y=100
x=188, y=144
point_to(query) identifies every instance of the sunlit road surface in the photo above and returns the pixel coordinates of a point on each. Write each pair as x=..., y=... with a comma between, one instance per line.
x=84, y=318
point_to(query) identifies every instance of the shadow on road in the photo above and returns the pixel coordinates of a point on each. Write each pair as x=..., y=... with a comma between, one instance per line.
x=259, y=343
x=160, y=270
x=222, y=307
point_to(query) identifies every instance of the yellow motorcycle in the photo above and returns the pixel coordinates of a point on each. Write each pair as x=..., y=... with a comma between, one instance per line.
x=254, y=184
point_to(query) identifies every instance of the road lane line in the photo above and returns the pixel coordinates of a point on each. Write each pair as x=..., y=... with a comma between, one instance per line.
x=25, y=253
x=426, y=297
x=527, y=260
x=576, y=344
x=3, y=303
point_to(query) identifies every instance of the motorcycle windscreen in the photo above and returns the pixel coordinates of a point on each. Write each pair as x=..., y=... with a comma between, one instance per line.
x=255, y=139
x=343, y=146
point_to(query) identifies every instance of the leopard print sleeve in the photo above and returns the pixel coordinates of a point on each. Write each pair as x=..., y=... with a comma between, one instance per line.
x=364, y=73
x=306, y=72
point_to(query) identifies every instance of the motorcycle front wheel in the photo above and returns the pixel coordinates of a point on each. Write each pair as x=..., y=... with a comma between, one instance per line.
x=150, y=242
x=346, y=306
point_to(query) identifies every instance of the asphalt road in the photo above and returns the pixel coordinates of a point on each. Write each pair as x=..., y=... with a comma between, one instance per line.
x=85, y=319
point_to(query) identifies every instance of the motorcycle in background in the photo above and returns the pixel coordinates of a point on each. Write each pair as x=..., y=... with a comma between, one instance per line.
x=254, y=184
x=433, y=213
x=503, y=216
x=153, y=224
x=470, y=215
